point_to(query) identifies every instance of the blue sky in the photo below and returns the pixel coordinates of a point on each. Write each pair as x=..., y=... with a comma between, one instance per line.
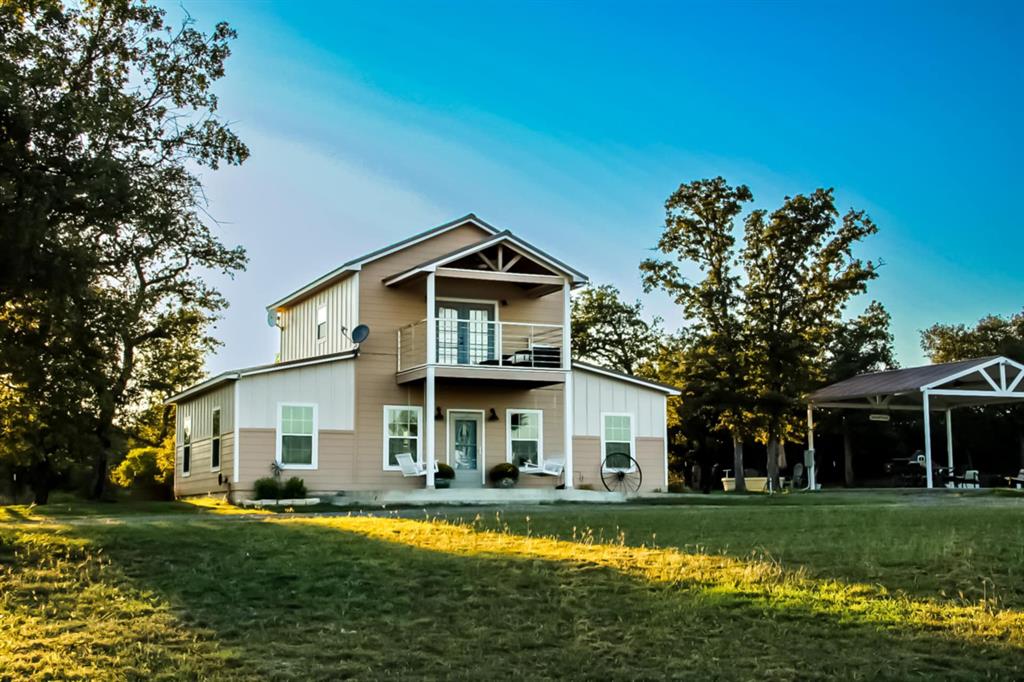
x=570, y=123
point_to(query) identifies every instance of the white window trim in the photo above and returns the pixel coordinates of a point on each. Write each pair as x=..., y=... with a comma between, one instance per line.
x=419, y=434
x=632, y=440
x=279, y=434
x=186, y=427
x=215, y=437
x=326, y=323
x=540, y=433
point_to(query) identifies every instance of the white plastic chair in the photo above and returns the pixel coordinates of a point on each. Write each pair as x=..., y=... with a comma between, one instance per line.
x=972, y=479
x=409, y=467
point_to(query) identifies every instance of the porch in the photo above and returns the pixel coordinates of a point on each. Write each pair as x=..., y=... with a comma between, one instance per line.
x=474, y=496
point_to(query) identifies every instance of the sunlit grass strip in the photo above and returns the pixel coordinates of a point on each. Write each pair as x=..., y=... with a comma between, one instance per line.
x=62, y=615
x=763, y=582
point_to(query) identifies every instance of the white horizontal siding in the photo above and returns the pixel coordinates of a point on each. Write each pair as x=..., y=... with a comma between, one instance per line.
x=298, y=323
x=597, y=393
x=330, y=385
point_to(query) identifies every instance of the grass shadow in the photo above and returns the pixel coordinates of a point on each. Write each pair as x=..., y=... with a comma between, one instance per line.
x=330, y=599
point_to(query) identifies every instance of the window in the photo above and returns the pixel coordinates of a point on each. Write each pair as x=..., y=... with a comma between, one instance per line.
x=401, y=433
x=296, y=436
x=215, y=443
x=525, y=435
x=186, y=445
x=321, y=323
x=617, y=441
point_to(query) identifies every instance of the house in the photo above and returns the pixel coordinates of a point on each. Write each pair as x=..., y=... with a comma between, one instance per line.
x=467, y=362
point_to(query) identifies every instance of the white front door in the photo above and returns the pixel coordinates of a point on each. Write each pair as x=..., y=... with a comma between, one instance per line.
x=465, y=448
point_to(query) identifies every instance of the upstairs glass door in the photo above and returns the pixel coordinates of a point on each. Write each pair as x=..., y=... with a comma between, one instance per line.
x=465, y=333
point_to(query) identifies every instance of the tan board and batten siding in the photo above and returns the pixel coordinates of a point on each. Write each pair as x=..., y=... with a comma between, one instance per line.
x=298, y=323
x=350, y=393
x=202, y=479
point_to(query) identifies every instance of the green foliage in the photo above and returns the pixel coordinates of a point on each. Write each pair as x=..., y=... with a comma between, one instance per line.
x=108, y=117
x=267, y=488
x=148, y=470
x=293, y=489
x=992, y=335
x=444, y=471
x=756, y=344
x=502, y=471
x=610, y=332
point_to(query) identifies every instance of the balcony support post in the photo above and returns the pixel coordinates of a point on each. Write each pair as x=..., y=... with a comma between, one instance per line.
x=429, y=400
x=567, y=389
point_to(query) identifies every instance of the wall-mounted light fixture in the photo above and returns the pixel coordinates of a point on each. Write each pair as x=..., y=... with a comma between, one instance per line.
x=438, y=415
x=492, y=416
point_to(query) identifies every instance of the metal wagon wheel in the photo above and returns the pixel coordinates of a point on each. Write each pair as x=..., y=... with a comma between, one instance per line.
x=619, y=479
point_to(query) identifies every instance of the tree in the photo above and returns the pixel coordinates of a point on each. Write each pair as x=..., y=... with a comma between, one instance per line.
x=862, y=344
x=610, y=332
x=800, y=273
x=992, y=335
x=107, y=115
x=699, y=225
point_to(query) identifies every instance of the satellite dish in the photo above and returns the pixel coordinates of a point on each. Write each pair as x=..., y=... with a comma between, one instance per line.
x=271, y=318
x=360, y=333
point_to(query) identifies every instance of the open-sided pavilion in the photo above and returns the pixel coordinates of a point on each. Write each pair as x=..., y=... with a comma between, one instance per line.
x=993, y=380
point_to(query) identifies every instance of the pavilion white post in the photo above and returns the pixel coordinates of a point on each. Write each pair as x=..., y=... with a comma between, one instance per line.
x=567, y=387
x=811, y=473
x=949, y=438
x=428, y=388
x=927, y=440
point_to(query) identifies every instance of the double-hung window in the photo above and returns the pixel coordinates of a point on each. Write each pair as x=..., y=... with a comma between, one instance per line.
x=617, y=441
x=525, y=437
x=296, y=436
x=401, y=434
x=321, y=323
x=215, y=441
x=186, y=445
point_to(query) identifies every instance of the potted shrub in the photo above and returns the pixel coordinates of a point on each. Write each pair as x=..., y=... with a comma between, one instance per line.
x=504, y=475
x=443, y=476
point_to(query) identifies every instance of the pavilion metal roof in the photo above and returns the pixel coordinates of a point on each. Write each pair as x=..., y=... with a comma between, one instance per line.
x=894, y=381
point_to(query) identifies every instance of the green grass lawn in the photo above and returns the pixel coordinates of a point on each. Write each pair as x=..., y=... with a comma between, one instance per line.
x=823, y=587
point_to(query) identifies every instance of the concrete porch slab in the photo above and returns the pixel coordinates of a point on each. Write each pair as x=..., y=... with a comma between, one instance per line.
x=473, y=496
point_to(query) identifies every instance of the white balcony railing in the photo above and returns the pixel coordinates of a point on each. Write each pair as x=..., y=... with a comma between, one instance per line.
x=483, y=343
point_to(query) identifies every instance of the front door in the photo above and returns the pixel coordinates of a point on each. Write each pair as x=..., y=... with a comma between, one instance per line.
x=465, y=448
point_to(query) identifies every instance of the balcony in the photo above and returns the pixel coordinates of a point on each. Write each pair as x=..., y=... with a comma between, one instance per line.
x=484, y=349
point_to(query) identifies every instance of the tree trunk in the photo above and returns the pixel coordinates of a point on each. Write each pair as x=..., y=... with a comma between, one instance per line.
x=41, y=482
x=773, y=463
x=847, y=455
x=737, y=463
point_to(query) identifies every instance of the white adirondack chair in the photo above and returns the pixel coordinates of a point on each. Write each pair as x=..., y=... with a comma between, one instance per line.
x=410, y=468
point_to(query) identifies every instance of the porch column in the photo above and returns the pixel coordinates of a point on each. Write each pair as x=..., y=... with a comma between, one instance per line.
x=927, y=439
x=429, y=401
x=949, y=438
x=811, y=473
x=567, y=388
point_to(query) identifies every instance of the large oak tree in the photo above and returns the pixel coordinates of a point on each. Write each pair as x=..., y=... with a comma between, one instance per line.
x=107, y=116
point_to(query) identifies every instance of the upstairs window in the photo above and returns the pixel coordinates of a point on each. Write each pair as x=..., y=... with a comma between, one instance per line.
x=215, y=442
x=321, y=323
x=296, y=436
x=525, y=434
x=186, y=445
x=617, y=441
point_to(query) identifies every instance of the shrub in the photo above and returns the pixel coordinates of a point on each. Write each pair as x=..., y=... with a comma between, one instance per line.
x=293, y=489
x=505, y=471
x=149, y=471
x=444, y=471
x=266, y=489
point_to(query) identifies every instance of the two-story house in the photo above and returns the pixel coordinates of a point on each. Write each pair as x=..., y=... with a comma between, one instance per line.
x=467, y=362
